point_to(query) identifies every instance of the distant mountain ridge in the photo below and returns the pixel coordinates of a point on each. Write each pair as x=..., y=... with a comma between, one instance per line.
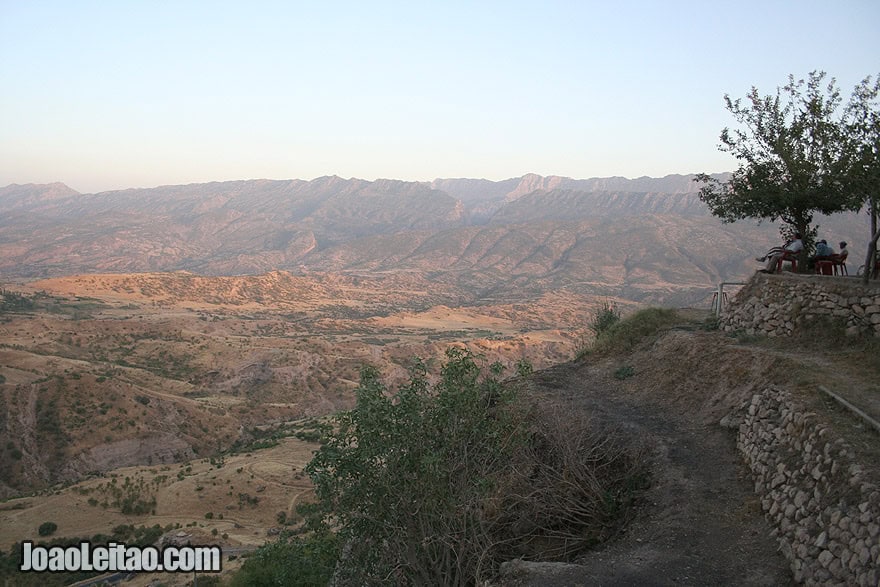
x=646, y=236
x=473, y=190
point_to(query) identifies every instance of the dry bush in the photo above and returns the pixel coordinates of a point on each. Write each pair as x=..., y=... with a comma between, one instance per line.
x=570, y=487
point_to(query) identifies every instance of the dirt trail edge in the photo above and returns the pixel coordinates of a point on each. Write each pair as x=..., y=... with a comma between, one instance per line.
x=700, y=522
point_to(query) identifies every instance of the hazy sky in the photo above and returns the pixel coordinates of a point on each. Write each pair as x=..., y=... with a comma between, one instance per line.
x=116, y=94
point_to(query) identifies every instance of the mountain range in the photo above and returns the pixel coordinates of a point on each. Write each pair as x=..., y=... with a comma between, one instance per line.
x=645, y=239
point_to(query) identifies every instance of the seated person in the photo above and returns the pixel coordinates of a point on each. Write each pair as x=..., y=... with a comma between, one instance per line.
x=823, y=253
x=840, y=258
x=773, y=256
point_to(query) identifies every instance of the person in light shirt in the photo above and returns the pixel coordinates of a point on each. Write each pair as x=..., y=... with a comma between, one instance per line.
x=796, y=245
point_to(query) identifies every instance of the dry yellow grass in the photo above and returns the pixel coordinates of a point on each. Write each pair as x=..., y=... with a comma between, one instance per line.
x=126, y=369
x=184, y=493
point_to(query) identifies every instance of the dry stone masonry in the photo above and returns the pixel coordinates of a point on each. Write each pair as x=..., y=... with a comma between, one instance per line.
x=776, y=305
x=824, y=510
x=826, y=514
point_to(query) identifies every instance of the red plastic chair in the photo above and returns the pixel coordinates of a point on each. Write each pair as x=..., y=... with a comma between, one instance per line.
x=839, y=262
x=826, y=267
x=789, y=256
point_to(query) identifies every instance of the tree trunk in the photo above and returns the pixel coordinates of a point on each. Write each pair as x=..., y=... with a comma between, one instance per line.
x=803, y=228
x=872, y=245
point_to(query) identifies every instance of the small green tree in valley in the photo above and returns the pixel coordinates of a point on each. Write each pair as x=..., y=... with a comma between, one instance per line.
x=794, y=157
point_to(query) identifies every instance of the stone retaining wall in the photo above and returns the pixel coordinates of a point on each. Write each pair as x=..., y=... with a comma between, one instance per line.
x=825, y=513
x=776, y=305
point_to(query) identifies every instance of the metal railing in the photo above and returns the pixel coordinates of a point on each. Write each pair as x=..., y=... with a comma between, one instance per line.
x=719, y=298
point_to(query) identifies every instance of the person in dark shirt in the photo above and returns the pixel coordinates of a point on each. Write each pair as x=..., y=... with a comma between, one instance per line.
x=823, y=253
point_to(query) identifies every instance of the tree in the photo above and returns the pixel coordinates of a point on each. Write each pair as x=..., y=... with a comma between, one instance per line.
x=793, y=157
x=862, y=118
x=604, y=318
x=404, y=478
x=293, y=561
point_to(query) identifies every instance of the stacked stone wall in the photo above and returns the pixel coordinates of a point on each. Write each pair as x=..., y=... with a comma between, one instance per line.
x=826, y=514
x=824, y=510
x=777, y=305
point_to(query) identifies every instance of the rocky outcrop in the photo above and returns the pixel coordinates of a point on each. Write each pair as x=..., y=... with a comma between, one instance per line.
x=570, y=205
x=532, y=182
x=154, y=449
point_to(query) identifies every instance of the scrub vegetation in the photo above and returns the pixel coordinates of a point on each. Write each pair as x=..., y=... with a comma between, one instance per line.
x=440, y=483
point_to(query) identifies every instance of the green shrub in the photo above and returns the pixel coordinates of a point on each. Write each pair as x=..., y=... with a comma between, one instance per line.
x=711, y=323
x=627, y=333
x=624, y=372
x=440, y=484
x=524, y=368
x=604, y=318
x=822, y=332
x=743, y=337
x=47, y=528
x=297, y=561
x=403, y=475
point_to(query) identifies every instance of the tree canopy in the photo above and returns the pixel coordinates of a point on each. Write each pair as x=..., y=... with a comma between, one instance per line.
x=862, y=117
x=797, y=151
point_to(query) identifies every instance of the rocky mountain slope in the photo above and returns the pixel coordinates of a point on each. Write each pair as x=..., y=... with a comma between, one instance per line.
x=644, y=239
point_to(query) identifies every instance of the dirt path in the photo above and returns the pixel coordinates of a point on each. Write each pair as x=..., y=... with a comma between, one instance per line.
x=856, y=386
x=699, y=523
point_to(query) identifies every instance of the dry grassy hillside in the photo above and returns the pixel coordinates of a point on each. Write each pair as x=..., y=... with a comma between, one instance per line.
x=668, y=383
x=104, y=371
